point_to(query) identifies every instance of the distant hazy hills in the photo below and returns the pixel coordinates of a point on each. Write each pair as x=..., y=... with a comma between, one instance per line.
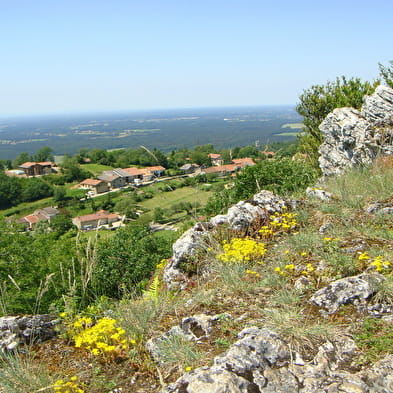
x=165, y=130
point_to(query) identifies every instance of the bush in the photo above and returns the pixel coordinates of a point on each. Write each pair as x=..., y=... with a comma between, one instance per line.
x=279, y=176
x=126, y=260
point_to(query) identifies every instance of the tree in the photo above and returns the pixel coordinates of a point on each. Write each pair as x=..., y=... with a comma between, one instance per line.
x=44, y=154
x=319, y=100
x=126, y=259
x=21, y=159
x=387, y=73
x=10, y=191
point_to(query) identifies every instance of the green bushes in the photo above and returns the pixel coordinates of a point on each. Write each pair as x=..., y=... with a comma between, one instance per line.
x=282, y=176
x=126, y=260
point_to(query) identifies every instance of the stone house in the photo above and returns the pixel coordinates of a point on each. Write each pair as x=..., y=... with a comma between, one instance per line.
x=97, y=186
x=37, y=168
x=95, y=220
x=113, y=180
x=44, y=214
x=216, y=159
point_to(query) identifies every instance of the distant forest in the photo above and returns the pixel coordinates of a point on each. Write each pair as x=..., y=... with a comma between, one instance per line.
x=165, y=130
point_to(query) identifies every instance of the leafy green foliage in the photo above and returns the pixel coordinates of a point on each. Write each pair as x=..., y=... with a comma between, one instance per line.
x=318, y=101
x=126, y=259
x=387, y=73
x=280, y=176
x=15, y=190
x=375, y=338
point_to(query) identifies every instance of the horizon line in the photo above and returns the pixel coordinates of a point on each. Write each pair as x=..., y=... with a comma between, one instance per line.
x=140, y=110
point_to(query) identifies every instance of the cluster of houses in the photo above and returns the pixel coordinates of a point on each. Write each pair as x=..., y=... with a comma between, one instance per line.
x=114, y=179
x=100, y=219
x=119, y=177
x=44, y=214
x=30, y=169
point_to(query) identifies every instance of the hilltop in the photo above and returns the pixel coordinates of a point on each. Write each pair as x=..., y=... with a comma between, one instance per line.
x=280, y=293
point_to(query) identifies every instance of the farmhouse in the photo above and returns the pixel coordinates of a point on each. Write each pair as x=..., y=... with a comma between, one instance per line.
x=247, y=161
x=222, y=170
x=190, y=168
x=96, y=186
x=216, y=159
x=95, y=220
x=113, y=181
x=37, y=168
x=44, y=214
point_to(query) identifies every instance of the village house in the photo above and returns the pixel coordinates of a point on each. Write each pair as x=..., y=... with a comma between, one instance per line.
x=96, y=186
x=269, y=154
x=222, y=170
x=95, y=220
x=144, y=174
x=113, y=181
x=190, y=168
x=247, y=161
x=37, y=168
x=216, y=159
x=44, y=214
x=134, y=174
x=156, y=171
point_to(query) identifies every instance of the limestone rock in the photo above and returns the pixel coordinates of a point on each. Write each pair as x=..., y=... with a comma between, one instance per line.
x=194, y=328
x=319, y=193
x=355, y=289
x=261, y=362
x=239, y=217
x=355, y=137
x=16, y=330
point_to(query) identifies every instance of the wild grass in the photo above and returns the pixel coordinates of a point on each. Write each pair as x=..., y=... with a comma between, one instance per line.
x=301, y=329
x=21, y=374
x=177, y=350
x=361, y=185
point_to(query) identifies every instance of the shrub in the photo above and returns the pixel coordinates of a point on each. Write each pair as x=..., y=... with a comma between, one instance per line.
x=126, y=259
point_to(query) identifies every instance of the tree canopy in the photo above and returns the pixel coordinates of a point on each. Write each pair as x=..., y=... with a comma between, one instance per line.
x=318, y=101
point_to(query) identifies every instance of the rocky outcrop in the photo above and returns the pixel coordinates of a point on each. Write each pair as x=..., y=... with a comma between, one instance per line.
x=262, y=362
x=239, y=217
x=193, y=328
x=16, y=330
x=355, y=137
x=355, y=290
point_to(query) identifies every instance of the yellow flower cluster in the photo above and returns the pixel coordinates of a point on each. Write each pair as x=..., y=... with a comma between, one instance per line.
x=378, y=263
x=242, y=250
x=102, y=339
x=253, y=273
x=291, y=269
x=279, y=222
x=287, y=269
x=70, y=386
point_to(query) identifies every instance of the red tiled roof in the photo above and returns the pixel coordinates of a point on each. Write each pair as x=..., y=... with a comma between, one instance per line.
x=27, y=164
x=134, y=171
x=97, y=216
x=221, y=168
x=32, y=218
x=91, y=182
x=246, y=160
x=155, y=168
x=214, y=156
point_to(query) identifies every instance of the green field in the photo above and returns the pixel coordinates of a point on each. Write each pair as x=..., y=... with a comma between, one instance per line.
x=185, y=194
x=295, y=126
x=288, y=133
x=96, y=169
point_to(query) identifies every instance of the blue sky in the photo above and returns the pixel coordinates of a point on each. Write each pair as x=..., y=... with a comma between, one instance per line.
x=91, y=55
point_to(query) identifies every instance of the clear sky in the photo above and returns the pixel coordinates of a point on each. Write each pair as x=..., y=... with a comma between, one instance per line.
x=93, y=55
